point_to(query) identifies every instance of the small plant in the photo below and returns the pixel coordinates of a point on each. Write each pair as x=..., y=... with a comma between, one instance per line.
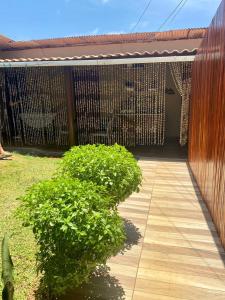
x=74, y=228
x=113, y=167
x=7, y=270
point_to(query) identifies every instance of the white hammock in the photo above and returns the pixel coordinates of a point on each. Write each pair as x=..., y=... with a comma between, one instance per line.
x=37, y=120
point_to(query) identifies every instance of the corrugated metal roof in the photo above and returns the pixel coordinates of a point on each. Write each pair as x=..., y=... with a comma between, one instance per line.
x=4, y=42
x=194, y=33
x=107, y=56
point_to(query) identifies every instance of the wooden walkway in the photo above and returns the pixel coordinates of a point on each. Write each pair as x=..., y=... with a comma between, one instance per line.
x=172, y=251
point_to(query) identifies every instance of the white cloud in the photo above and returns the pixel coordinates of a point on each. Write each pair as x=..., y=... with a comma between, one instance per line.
x=90, y=32
x=93, y=32
x=99, y=2
x=115, y=32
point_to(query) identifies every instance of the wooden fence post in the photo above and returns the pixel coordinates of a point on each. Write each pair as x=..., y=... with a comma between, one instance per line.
x=70, y=105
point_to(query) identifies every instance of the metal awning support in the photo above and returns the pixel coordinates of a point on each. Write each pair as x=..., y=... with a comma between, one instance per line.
x=96, y=62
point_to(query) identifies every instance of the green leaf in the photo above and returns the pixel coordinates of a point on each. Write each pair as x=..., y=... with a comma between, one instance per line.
x=7, y=270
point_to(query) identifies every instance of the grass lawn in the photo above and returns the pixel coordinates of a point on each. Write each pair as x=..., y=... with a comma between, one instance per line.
x=15, y=176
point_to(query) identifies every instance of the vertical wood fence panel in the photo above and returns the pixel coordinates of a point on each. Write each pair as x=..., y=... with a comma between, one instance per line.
x=207, y=124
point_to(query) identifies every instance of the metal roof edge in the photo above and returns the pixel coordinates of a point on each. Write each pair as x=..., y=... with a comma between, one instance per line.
x=82, y=62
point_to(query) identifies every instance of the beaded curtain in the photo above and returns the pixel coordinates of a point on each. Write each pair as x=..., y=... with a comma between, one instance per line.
x=181, y=73
x=6, y=134
x=120, y=103
x=36, y=106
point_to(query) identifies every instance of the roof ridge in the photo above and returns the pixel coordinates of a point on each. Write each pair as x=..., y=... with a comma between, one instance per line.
x=105, y=39
x=188, y=30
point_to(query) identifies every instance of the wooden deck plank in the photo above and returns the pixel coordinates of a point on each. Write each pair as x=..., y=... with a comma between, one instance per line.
x=180, y=248
x=174, y=252
x=180, y=291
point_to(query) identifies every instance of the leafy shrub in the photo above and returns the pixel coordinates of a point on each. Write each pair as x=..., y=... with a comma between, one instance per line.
x=74, y=228
x=111, y=166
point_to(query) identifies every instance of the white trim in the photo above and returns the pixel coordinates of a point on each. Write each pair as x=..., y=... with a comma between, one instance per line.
x=96, y=62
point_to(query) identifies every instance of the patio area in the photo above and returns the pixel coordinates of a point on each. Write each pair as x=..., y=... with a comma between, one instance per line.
x=172, y=251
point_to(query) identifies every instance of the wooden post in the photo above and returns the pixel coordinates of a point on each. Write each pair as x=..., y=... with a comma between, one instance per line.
x=70, y=105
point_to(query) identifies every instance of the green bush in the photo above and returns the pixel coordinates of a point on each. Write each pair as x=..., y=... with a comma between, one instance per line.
x=74, y=228
x=111, y=166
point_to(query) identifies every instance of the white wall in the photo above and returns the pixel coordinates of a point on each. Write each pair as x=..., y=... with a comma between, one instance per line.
x=173, y=110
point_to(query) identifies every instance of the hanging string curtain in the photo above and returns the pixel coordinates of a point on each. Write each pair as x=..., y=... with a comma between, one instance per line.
x=151, y=81
x=117, y=103
x=120, y=103
x=6, y=134
x=35, y=100
x=181, y=73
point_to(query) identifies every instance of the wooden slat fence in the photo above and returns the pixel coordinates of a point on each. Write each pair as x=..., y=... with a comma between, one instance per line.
x=207, y=129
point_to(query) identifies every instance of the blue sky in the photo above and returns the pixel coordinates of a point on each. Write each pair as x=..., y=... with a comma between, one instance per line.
x=35, y=19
